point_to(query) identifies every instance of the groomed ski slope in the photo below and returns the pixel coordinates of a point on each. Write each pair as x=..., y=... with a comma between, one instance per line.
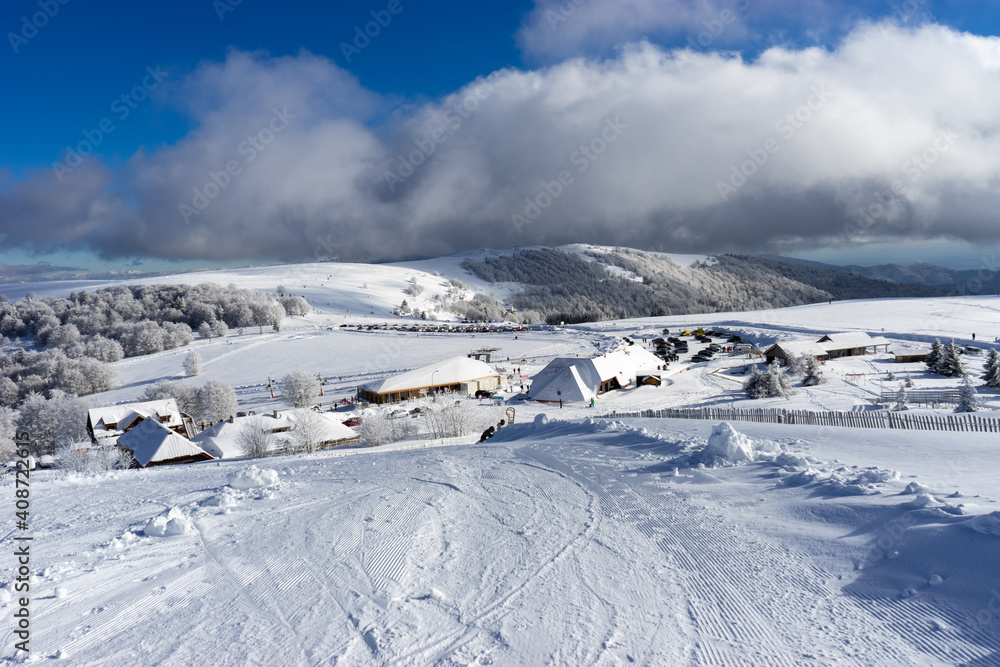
x=571, y=543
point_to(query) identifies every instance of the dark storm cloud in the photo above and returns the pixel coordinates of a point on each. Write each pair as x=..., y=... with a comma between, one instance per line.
x=892, y=135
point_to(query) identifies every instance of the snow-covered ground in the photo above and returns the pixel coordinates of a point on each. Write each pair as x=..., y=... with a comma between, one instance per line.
x=580, y=541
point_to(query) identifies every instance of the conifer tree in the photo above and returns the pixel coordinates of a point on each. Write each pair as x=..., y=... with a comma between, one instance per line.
x=811, y=373
x=991, y=370
x=934, y=356
x=968, y=399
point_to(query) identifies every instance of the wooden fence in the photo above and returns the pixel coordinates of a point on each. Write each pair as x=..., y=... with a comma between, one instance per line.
x=880, y=419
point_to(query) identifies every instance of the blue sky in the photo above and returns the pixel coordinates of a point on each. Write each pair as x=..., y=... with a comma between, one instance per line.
x=224, y=67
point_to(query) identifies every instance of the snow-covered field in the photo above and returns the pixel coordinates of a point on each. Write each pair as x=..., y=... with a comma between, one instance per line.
x=577, y=541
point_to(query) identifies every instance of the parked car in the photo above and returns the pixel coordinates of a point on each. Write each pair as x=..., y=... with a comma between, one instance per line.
x=353, y=421
x=482, y=393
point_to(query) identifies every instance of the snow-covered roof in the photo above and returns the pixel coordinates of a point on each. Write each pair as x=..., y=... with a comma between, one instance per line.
x=850, y=340
x=220, y=440
x=451, y=371
x=580, y=379
x=116, y=419
x=152, y=442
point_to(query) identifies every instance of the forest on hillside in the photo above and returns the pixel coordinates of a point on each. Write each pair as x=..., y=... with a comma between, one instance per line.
x=564, y=287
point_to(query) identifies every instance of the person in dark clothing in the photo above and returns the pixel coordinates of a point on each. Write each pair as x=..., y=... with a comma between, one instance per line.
x=487, y=434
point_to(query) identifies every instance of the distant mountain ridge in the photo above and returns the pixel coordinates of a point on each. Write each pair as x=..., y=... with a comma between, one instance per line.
x=961, y=281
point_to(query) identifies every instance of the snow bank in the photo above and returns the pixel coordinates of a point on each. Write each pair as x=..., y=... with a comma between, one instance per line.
x=172, y=522
x=727, y=446
x=254, y=478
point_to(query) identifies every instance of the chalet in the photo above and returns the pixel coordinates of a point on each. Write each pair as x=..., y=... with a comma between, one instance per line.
x=460, y=375
x=220, y=440
x=572, y=379
x=107, y=424
x=153, y=444
x=852, y=344
x=785, y=351
x=830, y=346
x=910, y=358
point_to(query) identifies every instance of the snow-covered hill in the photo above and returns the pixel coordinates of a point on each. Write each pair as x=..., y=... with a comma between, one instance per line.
x=577, y=541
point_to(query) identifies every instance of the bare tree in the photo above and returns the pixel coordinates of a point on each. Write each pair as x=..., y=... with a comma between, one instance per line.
x=192, y=363
x=300, y=388
x=255, y=438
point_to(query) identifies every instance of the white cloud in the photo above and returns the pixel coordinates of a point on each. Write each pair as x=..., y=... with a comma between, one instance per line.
x=884, y=97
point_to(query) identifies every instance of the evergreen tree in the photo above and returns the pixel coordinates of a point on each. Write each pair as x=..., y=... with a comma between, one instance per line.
x=908, y=382
x=777, y=381
x=934, y=356
x=991, y=370
x=811, y=374
x=901, y=398
x=951, y=361
x=756, y=385
x=968, y=399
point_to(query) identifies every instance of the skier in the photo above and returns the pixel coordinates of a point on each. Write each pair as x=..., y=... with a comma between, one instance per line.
x=591, y=401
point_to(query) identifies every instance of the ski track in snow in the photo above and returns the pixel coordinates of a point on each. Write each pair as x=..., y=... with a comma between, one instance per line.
x=561, y=550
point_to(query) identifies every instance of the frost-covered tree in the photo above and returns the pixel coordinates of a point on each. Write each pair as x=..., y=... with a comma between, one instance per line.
x=8, y=434
x=901, y=398
x=768, y=384
x=374, y=428
x=192, y=363
x=308, y=430
x=52, y=422
x=255, y=438
x=890, y=376
x=991, y=369
x=796, y=364
x=968, y=399
x=300, y=388
x=951, y=361
x=934, y=356
x=908, y=382
x=220, y=329
x=216, y=401
x=812, y=374
x=295, y=305
x=205, y=330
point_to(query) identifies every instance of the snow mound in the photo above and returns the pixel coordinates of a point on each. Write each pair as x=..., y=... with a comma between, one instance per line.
x=541, y=419
x=802, y=478
x=172, y=522
x=254, y=478
x=916, y=487
x=226, y=497
x=727, y=446
x=987, y=524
